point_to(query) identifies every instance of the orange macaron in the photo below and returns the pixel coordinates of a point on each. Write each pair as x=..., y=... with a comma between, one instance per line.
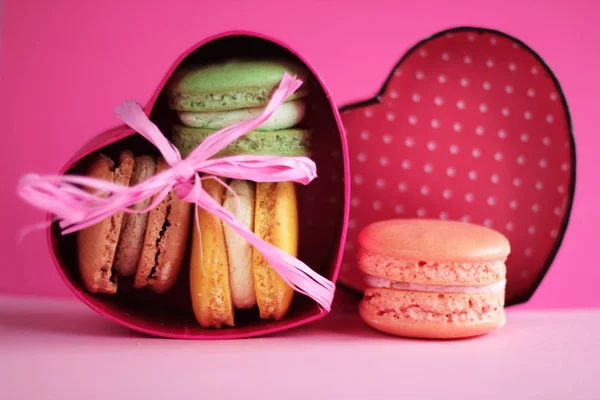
x=432, y=279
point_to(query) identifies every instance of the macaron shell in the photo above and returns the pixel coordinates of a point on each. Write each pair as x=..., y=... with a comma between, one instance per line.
x=209, y=270
x=241, y=204
x=231, y=84
x=293, y=142
x=434, y=240
x=131, y=243
x=276, y=221
x=430, y=315
x=431, y=272
x=289, y=114
x=97, y=244
x=165, y=241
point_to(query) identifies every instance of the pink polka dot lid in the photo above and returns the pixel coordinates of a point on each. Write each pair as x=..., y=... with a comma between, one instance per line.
x=471, y=125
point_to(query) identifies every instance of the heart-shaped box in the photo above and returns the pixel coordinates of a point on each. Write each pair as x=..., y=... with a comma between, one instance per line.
x=323, y=207
x=470, y=125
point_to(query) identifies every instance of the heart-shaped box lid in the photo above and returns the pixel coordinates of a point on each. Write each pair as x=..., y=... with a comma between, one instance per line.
x=323, y=206
x=470, y=125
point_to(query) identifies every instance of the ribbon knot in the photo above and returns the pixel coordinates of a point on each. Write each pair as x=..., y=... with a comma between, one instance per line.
x=77, y=209
x=183, y=171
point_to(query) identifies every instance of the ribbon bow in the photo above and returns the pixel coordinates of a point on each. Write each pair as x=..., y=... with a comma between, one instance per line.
x=76, y=208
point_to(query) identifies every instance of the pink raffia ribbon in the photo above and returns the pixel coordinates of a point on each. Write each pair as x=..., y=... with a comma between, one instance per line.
x=76, y=208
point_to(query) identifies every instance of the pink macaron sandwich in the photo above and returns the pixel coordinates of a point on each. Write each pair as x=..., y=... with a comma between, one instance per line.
x=432, y=279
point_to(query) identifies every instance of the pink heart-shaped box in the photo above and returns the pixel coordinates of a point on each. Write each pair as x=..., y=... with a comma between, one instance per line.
x=470, y=125
x=323, y=208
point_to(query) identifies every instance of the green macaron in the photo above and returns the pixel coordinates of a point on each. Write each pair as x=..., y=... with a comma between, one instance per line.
x=231, y=84
x=292, y=142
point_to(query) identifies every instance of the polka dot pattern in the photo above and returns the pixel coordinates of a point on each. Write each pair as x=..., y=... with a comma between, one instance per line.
x=479, y=135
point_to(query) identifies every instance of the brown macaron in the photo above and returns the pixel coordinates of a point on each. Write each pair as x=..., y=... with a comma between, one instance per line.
x=97, y=244
x=165, y=241
x=134, y=225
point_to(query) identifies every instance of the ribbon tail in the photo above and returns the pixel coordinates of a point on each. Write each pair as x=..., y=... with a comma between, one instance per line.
x=293, y=271
x=75, y=208
x=23, y=233
x=131, y=113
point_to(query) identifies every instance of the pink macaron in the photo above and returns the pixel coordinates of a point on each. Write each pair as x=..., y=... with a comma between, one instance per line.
x=432, y=279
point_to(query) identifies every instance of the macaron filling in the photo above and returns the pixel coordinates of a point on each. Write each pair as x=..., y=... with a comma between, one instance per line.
x=377, y=282
x=240, y=201
x=289, y=114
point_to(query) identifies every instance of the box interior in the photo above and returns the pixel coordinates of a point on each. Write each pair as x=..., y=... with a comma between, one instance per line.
x=321, y=211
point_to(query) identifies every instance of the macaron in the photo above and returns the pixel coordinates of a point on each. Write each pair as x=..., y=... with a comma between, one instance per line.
x=131, y=243
x=231, y=84
x=276, y=222
x=432, y=279
x=165, y=241
x=209, y=268
x=97, y=244
x=292, y=142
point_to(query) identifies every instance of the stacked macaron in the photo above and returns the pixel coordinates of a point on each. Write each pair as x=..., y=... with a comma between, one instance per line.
x=433, y=278
x=213, y=96
x=226, y=272
x=149, y=245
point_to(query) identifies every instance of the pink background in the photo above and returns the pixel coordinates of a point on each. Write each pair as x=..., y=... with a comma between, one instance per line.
x=65, y=65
